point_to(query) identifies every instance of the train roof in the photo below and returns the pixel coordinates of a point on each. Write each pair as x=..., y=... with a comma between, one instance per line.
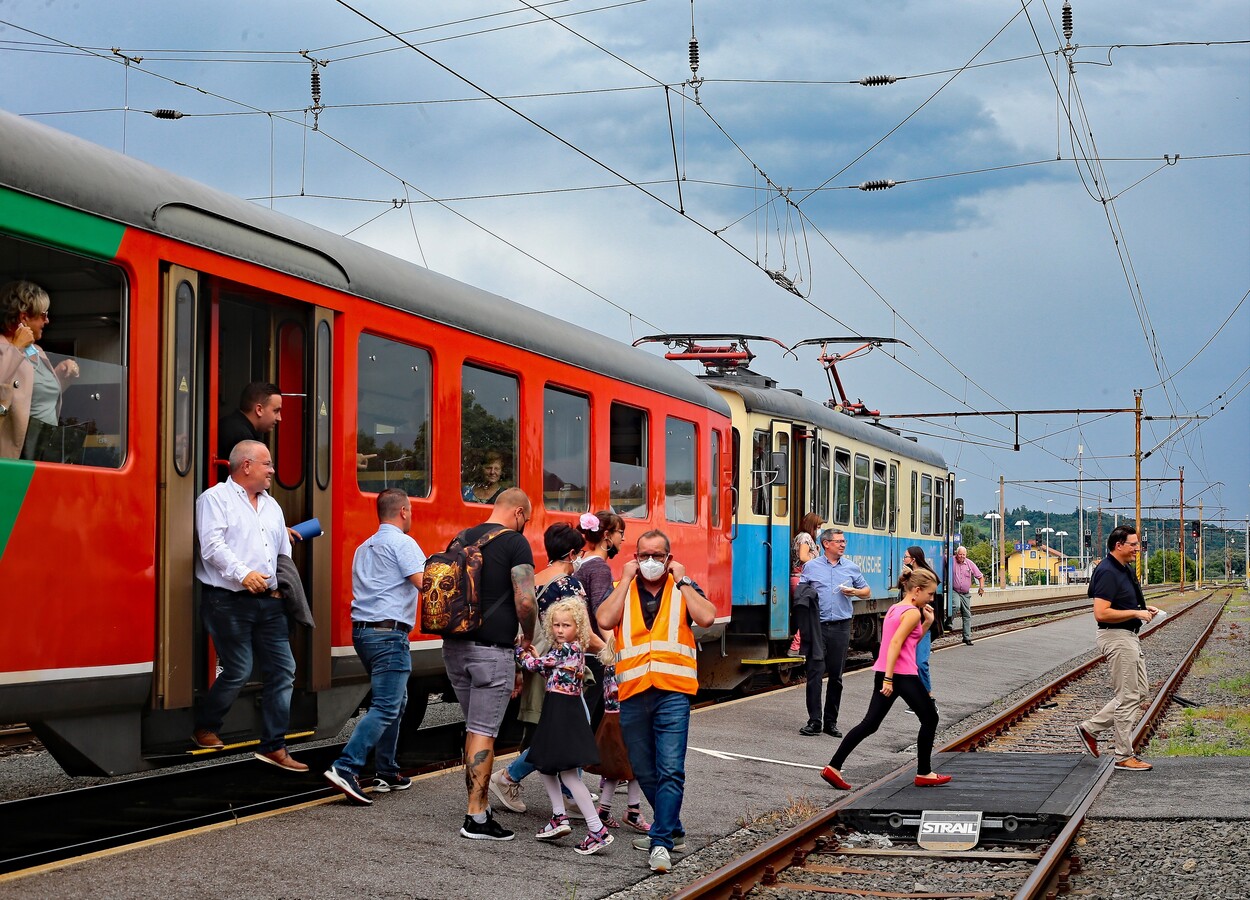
x=50, y=164
x=763, y=398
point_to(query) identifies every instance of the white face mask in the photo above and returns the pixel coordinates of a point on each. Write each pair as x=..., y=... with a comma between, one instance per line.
x=651, y=569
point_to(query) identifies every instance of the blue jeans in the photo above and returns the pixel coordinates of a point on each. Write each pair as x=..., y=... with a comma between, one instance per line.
x=655, y=725
x=386, y=657
x=239, y=625
x=924, y=649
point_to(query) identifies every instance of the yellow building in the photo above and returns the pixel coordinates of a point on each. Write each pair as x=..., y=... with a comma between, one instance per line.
x=1035, y=559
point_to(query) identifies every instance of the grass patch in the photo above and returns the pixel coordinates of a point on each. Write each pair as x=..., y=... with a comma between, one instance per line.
x=1206, y=731
x=796, y=810
x=1239, y=685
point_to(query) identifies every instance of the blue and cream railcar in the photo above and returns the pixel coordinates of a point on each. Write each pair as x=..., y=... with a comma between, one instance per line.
x=792, y=455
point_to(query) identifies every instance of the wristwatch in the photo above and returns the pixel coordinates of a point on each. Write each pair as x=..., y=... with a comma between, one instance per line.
x=685, y=580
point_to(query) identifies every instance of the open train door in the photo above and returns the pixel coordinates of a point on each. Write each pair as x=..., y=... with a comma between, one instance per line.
x=179, y=447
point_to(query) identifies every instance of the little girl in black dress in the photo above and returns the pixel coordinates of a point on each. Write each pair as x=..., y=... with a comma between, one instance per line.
x=563, y=742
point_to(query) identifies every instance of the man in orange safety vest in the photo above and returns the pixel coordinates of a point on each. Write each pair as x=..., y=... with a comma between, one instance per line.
x=651, y=610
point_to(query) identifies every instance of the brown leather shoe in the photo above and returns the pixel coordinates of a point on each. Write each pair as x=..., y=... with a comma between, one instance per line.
x=206, y=739
x=1089, y=743
x=282, y=760
x=1133, y=764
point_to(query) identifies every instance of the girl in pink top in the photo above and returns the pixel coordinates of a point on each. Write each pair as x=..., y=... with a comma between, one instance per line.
x=896, y=675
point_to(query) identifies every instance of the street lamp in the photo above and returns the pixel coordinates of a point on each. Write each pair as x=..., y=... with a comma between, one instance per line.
x=1061, y=535
x=1022, y=523
x=993, y=517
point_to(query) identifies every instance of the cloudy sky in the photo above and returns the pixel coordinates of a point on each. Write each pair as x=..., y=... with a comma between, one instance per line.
x=1066, y=226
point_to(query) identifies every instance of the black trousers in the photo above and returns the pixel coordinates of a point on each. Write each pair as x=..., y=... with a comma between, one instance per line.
x=836, y=638
x=914, y=695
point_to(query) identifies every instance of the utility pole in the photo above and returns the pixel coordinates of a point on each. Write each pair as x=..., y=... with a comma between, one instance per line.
x=1080, y=507
x=1181, y=536
x=1198, y=548
x=1002, y=535
x=1137, y=470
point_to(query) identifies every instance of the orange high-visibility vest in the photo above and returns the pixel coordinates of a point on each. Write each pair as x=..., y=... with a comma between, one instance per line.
x=662, y=657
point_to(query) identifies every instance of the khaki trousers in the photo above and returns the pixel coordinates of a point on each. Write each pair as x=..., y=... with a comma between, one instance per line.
x=1121, y=649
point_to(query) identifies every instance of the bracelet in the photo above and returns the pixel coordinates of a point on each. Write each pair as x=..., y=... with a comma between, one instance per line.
x=886, y=678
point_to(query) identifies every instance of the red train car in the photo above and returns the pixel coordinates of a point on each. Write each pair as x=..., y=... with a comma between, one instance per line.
x=171, y=296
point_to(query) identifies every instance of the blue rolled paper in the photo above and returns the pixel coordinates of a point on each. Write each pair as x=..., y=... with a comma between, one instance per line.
x=308, y=530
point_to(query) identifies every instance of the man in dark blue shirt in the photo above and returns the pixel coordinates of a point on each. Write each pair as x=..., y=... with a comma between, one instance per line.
x=1119, y=609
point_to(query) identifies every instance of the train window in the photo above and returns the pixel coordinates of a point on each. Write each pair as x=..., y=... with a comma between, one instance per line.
x=926, y=504
x=860, y=491
x=939, y=506
x=893, y=497
x=291, y=440
x=628, y=461
x=323, y=399
x=184, y=374
x=841, y=486
x=761, y=475
x=78, y=413
x=714, y=471
x=820, y=481
x=783, y=489
x=393, y=417
x=566, y=450
x=879, y=497
x=681, y=502
x=915, y=499
x=488, y=433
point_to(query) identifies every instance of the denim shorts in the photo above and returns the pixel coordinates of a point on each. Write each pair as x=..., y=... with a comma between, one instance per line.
x=483, y=677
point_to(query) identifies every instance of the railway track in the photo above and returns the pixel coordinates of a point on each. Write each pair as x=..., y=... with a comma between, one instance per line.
x=821, y=857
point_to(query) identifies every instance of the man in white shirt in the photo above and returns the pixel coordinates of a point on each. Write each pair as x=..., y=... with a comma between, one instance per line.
x=241, y=533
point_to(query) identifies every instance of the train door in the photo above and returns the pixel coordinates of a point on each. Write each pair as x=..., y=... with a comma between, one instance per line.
x=256, y=336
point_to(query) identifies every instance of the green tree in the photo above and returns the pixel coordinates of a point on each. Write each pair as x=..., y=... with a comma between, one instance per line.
x=981, y=554
x=968, y=534
x=1158, y=574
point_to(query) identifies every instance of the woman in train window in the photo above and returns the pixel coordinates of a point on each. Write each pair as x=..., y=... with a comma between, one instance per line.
x=488, y=486
x=30, y=386
x=895, y=676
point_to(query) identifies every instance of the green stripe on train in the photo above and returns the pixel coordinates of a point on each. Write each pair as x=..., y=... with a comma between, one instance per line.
x=15, y=476
x=49, y=223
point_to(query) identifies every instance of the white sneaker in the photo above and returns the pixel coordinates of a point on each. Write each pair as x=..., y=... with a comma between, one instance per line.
x=659, y=860
x=507, y=792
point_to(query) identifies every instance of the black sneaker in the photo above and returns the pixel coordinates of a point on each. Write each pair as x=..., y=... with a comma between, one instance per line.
x=349, y=784
x=490, y=830
x=832, y=730
x=811, y=729
x=385, y=783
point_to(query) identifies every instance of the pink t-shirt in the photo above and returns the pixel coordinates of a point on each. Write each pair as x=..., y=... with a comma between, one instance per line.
x=906, y=664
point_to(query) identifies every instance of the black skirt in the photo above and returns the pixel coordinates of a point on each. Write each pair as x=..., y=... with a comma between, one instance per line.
x=563, y=740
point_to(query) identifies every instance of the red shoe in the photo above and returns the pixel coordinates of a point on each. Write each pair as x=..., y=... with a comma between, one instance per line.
x=831, y=776
x=931, y=780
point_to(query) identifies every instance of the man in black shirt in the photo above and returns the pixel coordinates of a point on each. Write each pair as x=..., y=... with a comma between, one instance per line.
x=1119, y=609
x=480, y=664
x=260, y=409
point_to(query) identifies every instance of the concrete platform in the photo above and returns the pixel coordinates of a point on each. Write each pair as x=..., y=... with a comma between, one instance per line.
x=1021, y=796
x=746, y=758
x=1180, y=788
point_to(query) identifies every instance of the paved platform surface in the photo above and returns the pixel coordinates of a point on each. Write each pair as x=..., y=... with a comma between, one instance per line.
x=749, y=760
x=1180, y=788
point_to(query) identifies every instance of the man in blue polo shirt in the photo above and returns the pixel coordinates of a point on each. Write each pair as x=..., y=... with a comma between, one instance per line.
x=387, y=572
x=836, y=580
x=1119, y=609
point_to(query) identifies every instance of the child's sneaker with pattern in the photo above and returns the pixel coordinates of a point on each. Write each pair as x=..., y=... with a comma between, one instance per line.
x=593, y=842
x=558, y=827
x=605, y=816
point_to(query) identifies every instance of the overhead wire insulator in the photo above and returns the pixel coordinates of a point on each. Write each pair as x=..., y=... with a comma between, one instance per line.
x=694, y=56
x=316, y=86
x=1067, y=21
x=167, y=114
x=877, y=80
x=879, y=184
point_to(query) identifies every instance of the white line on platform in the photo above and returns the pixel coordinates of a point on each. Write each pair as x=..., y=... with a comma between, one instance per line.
x=722, y=754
